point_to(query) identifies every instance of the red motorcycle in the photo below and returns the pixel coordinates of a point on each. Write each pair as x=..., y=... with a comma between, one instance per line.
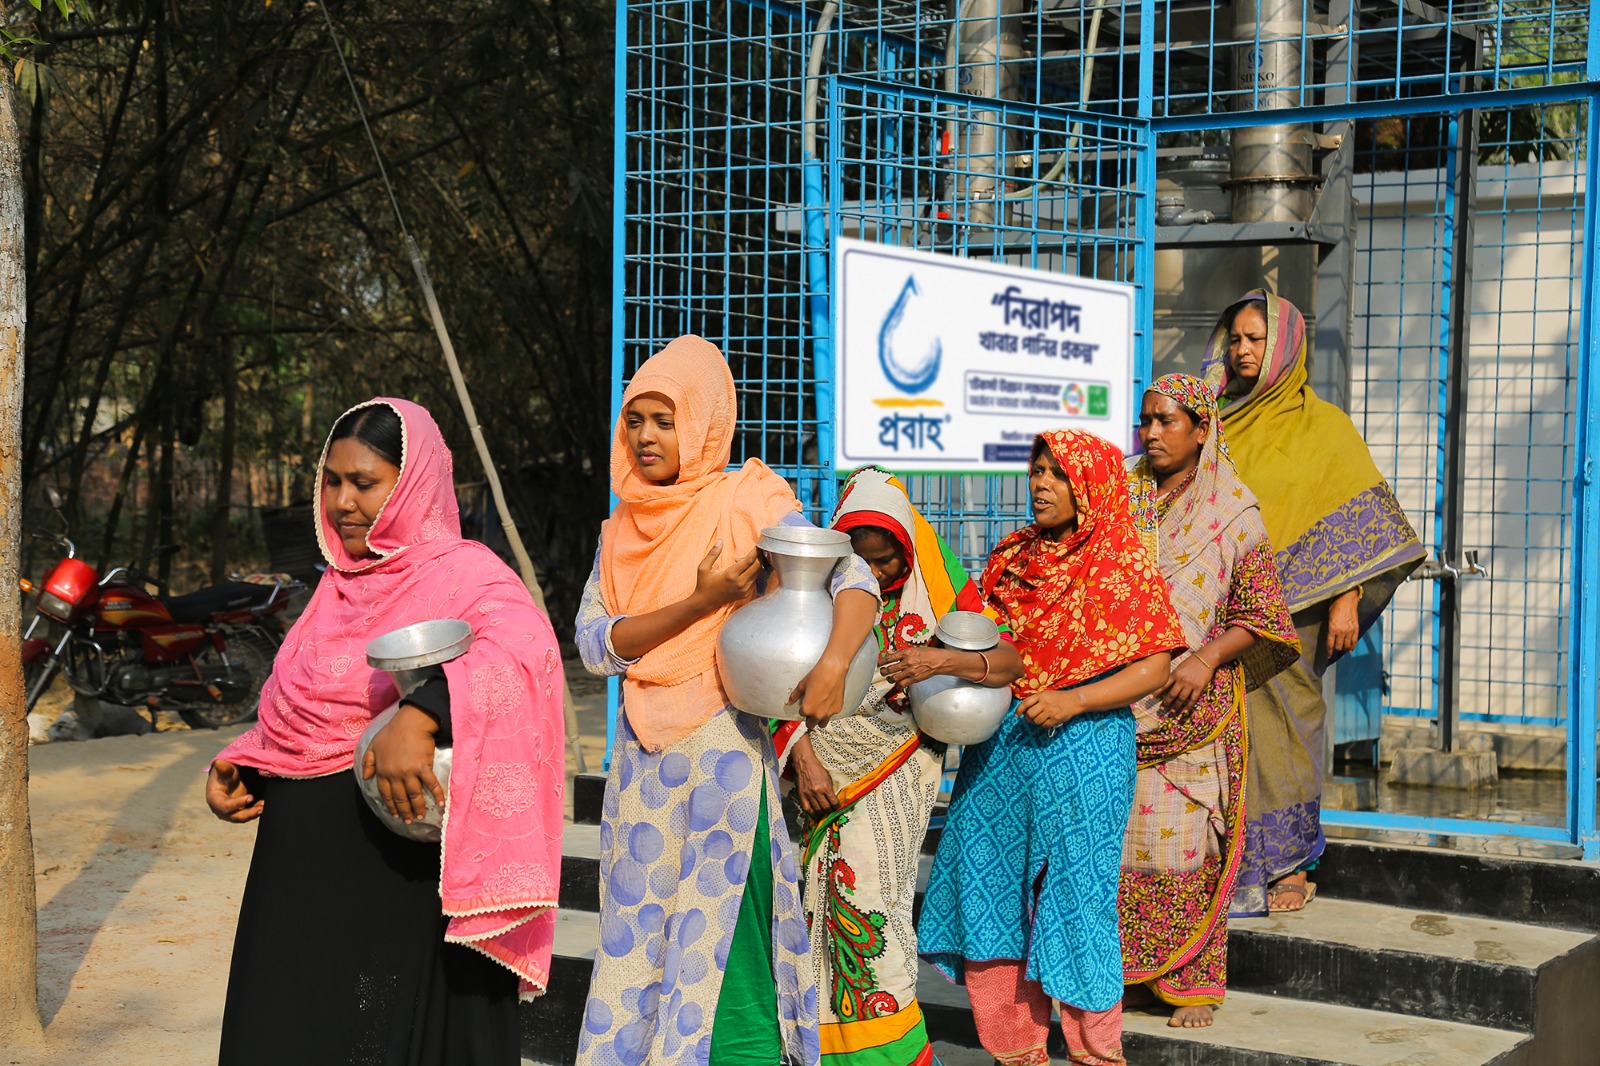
x=203, y=655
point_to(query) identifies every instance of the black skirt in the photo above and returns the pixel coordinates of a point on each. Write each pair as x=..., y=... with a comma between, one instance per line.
x=340, y=956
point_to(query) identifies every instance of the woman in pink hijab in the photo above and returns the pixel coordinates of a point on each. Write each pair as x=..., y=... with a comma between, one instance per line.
x=355, y=944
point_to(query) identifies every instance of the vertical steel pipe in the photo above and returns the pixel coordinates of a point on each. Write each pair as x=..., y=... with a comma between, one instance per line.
x=1272, y=179
x=989, y=50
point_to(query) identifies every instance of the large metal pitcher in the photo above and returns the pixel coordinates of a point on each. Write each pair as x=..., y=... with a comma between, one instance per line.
x=412, y=655
x=952, y=709
x=769, y=644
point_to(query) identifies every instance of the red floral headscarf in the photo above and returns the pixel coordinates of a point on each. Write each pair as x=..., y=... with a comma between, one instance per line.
x=1092, y=601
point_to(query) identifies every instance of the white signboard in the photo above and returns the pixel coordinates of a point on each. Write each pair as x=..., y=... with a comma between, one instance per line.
x=947, y=365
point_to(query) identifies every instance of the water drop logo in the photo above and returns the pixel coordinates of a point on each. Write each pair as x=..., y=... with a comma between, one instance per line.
x=908, y=350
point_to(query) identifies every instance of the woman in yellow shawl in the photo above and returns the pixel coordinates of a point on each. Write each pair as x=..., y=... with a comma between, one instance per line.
x=1343, y=546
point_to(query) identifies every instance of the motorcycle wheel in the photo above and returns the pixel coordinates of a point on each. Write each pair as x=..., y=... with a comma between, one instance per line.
x=251, y=654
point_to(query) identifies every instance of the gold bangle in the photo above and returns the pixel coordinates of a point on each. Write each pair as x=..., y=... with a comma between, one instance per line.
x=1203, y=659
x=985, y=676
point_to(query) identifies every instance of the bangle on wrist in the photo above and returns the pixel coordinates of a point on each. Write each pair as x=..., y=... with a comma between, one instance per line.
x=985, y=676
x=1206, y=662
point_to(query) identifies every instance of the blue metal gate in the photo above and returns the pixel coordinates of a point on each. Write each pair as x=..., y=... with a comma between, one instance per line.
x=753, y=133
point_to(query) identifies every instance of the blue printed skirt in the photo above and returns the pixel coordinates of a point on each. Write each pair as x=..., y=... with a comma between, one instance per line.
x=1031, y=855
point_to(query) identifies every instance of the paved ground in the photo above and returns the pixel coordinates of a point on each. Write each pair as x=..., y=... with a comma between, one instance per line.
x=139, y=890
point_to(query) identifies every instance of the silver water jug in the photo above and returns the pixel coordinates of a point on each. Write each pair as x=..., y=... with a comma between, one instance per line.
x=767, y=646
x=412, y=655
x=954, y=710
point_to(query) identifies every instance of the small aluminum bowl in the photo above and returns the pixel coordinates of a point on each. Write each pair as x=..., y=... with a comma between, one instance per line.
x=967, y=631
x=412, y=655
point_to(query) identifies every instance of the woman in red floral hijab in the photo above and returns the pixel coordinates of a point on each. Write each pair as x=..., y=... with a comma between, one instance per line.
x=1022, y=901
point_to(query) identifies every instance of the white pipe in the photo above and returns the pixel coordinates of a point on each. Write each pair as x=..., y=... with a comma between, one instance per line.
x=1090, y=44
x=816, y=53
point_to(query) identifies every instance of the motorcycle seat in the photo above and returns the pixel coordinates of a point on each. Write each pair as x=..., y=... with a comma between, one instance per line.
x=200, y=606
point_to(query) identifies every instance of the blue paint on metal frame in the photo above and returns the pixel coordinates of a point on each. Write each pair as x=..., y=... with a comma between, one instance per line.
x=1593, y=61
x=1583, y=690
x=619, y=255
x=818, y=279
x=1441, y=421
x=1455, y=827
x=1144, y=270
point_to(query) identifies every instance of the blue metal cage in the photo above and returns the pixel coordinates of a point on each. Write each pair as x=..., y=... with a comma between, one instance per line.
x=1447, y=152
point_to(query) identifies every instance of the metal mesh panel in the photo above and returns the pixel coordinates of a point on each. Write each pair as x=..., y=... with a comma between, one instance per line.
x=712, y=225
x=921, y=169
x=711, y=158
x=1027, y=131
x=1519, y=419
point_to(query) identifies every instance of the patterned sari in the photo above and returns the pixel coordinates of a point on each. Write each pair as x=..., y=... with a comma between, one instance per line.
x=1186, y=832
x=1022, y=900
x=860, y=867
x=1336, y=526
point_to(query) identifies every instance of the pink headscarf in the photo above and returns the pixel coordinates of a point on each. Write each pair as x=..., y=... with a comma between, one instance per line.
x=502, y=838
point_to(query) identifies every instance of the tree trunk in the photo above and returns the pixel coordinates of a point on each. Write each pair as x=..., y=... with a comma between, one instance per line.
x=19, y=998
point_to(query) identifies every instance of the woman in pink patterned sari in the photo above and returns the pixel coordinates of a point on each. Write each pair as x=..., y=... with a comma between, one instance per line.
x=1184, y=839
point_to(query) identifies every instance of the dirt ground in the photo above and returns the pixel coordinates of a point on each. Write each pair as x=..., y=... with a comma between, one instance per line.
x=138, y=893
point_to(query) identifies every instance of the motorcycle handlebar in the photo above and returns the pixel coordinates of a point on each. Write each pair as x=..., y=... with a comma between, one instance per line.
x=57, y=538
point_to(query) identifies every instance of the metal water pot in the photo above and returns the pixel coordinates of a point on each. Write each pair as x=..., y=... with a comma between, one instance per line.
x=412, y=655
x=954, y=710
x=769, y=644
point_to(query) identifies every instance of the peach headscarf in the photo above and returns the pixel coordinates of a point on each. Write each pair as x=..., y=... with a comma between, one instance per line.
x=654, y=540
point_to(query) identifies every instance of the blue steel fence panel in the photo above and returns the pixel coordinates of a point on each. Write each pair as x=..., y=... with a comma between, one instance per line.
x=927, y=170
x=1522, y=359
x=712, y=236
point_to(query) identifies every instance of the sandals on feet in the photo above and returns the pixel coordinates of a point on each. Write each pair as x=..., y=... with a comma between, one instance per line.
x=1307, y=892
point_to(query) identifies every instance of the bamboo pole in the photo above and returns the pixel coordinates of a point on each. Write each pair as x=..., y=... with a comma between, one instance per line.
x=530, y=573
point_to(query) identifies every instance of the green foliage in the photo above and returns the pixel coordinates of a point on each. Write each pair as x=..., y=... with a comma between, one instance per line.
x=208, y=235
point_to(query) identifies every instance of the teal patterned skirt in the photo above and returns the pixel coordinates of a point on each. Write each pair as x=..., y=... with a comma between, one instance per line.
x=1031, y=855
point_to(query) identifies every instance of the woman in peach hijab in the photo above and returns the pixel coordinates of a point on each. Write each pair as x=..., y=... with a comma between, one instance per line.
x=703, y=953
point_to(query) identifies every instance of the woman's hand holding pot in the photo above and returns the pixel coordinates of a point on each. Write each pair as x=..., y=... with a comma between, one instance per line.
x=401, y=756
x=737, y=581
x=907, y=666
x=821, y=692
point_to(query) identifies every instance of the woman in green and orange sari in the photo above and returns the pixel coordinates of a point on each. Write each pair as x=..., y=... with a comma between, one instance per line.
x=867, y=784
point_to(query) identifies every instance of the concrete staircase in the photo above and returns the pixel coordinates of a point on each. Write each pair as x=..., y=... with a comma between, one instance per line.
x=1408, y=956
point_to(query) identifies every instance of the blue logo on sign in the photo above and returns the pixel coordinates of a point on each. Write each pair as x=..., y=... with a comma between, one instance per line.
x=910, y=364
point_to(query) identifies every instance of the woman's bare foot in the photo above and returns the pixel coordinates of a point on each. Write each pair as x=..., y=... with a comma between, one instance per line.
x=1197, y=1017
x=1291, y=893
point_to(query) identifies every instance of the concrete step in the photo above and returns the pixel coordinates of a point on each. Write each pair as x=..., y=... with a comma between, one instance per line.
x=1553, y=892
x=1447, y=967
x=1251, y=1030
